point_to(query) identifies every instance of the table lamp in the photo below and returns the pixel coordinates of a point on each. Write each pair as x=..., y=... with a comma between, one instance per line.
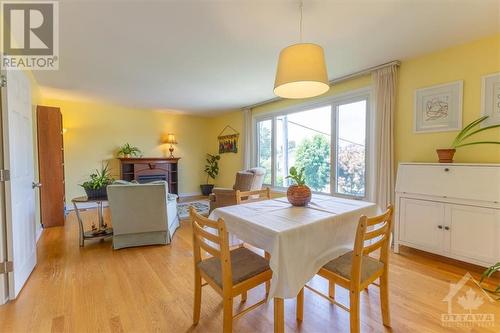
x=172, y=141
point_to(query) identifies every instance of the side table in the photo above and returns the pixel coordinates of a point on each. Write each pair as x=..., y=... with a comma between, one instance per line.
x=101, y=230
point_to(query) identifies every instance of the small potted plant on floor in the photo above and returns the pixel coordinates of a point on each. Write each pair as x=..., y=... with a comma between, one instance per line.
x=487, y=274
x=128, y=151
x=446, y=155
x=212, y=171
x=96, y=186
x=298, y=194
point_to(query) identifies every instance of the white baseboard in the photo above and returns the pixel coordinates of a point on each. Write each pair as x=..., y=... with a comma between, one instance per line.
x=85, y=205
x=192, y=194
x=39, y=233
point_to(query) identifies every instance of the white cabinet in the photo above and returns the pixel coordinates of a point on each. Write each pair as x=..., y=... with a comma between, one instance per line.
x=451, y=210
x=422, y=219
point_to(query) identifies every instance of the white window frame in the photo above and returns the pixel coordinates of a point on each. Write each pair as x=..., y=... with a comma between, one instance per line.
x=334, y=102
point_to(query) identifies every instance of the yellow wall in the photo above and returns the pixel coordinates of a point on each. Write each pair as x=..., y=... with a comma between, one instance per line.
x=94, y=132
x=96, y=129
x=229, y=163
x=466, y=62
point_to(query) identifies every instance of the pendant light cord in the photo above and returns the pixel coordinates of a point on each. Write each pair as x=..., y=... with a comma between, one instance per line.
x=300, y=29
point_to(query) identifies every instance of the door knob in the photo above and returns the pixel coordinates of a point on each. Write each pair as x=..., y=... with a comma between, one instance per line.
x=35, y=185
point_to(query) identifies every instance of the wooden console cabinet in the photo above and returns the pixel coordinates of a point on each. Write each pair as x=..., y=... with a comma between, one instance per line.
x=148, y=169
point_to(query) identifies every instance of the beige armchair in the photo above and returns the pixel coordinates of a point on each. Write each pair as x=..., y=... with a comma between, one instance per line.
x=247, y=180
x=142, y=214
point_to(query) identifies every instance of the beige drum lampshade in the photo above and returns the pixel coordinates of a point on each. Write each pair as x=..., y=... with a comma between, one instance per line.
x=301, y=72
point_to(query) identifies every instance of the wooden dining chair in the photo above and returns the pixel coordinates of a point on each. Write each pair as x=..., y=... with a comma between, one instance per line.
x=230, y=273
x=355, y=270
x=251, y=196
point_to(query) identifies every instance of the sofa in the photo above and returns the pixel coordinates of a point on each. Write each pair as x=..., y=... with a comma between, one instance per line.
x=142, y=214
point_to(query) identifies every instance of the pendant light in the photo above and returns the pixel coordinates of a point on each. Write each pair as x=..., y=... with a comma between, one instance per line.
x=301, y=71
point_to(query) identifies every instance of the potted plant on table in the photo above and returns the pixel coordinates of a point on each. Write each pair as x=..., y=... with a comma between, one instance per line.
x=212, y=171
x=446, y=155
x=96, y=186
x=298, y=194
x=128, y=151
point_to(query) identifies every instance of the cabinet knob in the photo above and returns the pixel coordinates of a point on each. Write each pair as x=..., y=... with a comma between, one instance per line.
x=440, y=227
x=446, y=169
x=446, y=228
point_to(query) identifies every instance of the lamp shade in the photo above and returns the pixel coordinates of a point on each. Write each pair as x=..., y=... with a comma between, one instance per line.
x=301, y=72
x=171, y=139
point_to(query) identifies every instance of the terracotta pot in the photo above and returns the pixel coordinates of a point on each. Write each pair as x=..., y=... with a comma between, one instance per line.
x=446, y=155
x=298, y=195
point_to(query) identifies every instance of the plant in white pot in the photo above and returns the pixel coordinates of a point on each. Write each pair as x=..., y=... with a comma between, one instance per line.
x=446, y=155
x=212, y=171
x=298, y=194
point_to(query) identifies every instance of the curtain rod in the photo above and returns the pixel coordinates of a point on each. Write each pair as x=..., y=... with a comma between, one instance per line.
x=334, y=81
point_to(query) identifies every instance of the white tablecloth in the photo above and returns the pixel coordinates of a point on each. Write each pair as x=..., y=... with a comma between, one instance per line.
x=300, y=239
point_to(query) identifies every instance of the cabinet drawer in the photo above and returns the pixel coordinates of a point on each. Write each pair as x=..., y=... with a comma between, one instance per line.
x=454, y=181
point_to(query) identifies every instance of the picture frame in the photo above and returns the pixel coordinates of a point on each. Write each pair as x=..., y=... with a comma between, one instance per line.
x=438, y=108
x=490, y=99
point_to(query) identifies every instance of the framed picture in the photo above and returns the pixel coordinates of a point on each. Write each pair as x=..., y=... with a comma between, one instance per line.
x=490, y=99
x=438, y=108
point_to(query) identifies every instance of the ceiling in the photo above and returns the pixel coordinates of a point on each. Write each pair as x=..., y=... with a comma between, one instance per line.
x=205, y=57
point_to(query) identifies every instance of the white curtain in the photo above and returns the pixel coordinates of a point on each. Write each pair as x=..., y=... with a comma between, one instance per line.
x=247, y=138
x=385, y=83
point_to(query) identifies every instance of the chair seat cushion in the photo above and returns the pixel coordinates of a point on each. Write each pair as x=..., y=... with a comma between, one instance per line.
x=245, y=264
x=343, y=266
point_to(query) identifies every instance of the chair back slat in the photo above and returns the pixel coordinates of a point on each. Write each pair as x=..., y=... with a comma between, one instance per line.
x=243, y=196
x=213, y=251
x=372, y=234
x=377, y=232
x=367, y=249
x=207, y=235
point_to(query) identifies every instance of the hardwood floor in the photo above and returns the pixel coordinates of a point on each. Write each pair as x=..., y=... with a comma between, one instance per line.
x=148, y=289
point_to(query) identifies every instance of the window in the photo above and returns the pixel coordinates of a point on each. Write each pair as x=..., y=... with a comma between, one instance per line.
x=315, y=138
x=351, y=149
x=264, y=129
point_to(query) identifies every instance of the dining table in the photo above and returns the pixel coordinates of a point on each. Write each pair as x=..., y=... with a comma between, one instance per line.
x=299, y=240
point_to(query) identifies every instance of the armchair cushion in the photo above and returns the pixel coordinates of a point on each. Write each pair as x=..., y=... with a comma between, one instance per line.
x=142, y=214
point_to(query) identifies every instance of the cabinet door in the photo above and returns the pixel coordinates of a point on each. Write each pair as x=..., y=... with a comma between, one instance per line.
x=474, y=233
x=420, y=223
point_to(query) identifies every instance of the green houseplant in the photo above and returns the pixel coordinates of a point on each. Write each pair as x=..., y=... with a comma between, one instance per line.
x=488, y=273
x=298, y=194
x=446, y=155
x=212, y=171
x=127, y=151
x=95, y=187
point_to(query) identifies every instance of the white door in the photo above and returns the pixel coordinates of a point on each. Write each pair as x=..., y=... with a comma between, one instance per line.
x=18, y=152
x=422, y=224
x=474, y=233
